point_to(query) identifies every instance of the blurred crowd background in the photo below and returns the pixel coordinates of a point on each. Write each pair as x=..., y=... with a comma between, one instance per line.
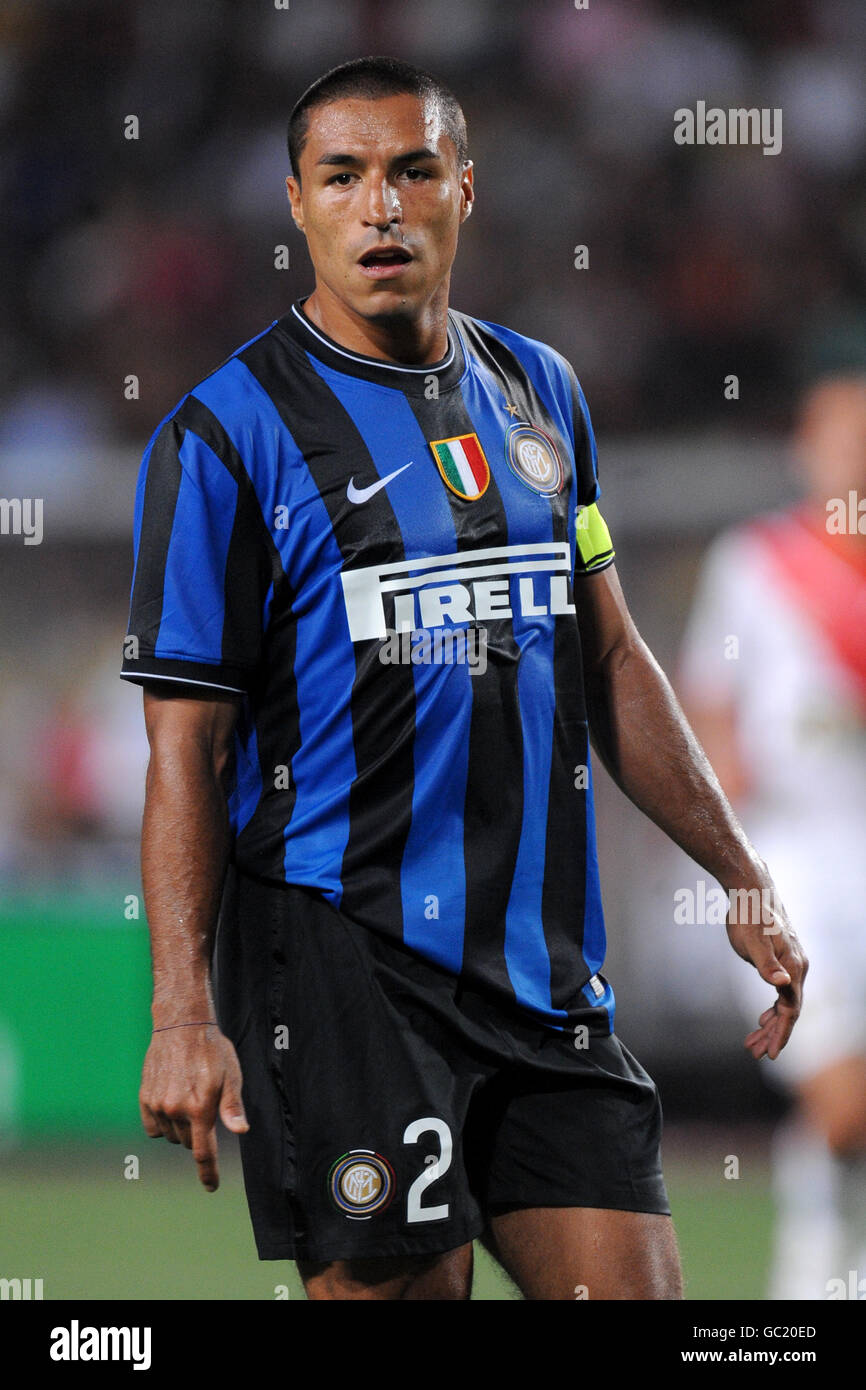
x=154, y=258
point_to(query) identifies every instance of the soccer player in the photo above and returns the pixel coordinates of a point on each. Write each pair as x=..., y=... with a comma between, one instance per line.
x=376, y=618
x=785, y=726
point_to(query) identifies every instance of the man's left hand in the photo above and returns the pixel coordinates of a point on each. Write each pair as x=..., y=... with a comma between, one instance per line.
x=778, y=957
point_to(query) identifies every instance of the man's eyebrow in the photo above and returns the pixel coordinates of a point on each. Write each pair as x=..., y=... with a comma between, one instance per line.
x=338, y=159
x=410, y=156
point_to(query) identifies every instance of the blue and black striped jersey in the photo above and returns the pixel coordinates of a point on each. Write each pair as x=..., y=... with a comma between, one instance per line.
x=381, y=560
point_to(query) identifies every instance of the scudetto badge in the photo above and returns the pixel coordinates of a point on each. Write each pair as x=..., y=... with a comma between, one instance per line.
x=532, y=456
x=361, y=1182
x=462, y=464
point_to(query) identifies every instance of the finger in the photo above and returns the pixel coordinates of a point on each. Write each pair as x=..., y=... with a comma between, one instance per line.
x=775, y=1029
x=756, y=1043
x=231, y=1109
x=793, y=994
x=761, y=1043
x=166, y=1122
x=761, y=1036
x=162, y=1128
x=149, y=1120
x=793, y=959
x=204, y=1151
x=781, y=1034
x=769, y=967
x=182, y=1130
x=760, y=952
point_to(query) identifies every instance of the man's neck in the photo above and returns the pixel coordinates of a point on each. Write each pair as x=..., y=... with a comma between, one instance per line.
x=393, y=338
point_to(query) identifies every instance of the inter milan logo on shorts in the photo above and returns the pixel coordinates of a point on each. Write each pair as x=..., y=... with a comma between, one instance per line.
x=462, y=464
x=533, y=457
x=361, y=1182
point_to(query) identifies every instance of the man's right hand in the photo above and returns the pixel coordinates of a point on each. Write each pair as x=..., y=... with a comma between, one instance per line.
x=190, y=1075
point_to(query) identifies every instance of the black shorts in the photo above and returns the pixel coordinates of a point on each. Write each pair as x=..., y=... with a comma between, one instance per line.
x=392, y=1110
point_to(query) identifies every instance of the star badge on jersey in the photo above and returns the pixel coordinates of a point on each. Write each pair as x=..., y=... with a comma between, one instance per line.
x=533, y=458
x=462, y=464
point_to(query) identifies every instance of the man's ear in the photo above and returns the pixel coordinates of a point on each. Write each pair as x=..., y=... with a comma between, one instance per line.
x=467, y=188
x=293, y=189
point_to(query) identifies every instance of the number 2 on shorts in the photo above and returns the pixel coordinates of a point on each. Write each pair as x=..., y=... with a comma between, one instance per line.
x=433, y=1171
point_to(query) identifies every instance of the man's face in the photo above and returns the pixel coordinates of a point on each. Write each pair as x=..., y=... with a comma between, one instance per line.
x=831, y=441
x=380, y=202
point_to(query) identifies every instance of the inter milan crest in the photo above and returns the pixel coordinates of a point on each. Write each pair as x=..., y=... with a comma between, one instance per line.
x=533, y=457
x=462, y=464
x=361, y=1182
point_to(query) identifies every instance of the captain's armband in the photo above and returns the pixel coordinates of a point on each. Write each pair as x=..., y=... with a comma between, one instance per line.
x=594, y=546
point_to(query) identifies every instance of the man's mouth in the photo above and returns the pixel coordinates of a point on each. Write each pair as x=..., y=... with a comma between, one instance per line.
x=384, y=261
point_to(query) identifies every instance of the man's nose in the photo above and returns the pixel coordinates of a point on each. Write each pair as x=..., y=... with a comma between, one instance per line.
x=383, y=204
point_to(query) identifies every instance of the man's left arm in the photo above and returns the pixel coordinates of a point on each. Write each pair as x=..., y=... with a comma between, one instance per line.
x=644, y=740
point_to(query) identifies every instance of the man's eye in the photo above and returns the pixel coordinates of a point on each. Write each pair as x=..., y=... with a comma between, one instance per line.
x=416, y=174
x=338, y=177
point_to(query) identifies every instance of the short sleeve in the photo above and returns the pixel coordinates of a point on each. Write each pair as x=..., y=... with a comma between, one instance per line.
x=594, y=548
x=585, y=451
x=202, y=570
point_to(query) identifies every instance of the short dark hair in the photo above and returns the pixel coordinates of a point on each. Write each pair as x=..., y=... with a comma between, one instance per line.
x=375, y=77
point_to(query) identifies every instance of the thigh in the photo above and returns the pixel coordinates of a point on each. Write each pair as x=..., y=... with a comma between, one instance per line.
x=436, y=1277
x=588, y=1253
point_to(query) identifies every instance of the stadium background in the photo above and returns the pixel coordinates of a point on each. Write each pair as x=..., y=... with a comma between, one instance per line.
x=154, y=258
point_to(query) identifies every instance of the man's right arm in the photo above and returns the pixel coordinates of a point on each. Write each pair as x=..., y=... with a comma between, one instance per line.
x=191, y=1072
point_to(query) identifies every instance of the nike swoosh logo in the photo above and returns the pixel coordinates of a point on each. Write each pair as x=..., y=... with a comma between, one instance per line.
x=363, y=494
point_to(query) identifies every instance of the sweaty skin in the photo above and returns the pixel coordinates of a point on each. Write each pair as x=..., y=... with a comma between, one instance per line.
x=375, y=174
x=190, y=1072
x=381, y=174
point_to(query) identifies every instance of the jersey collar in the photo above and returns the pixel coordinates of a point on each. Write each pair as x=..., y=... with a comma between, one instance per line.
x=413, y=380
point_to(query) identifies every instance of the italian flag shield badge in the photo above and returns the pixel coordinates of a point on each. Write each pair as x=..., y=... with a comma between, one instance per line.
x=462, y=464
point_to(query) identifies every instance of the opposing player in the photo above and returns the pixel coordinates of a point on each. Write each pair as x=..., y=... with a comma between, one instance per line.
x=785, y=726
x=411, y=937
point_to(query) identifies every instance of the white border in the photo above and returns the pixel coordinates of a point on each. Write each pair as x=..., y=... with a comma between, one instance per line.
x=185, y=680
x=374, y=361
